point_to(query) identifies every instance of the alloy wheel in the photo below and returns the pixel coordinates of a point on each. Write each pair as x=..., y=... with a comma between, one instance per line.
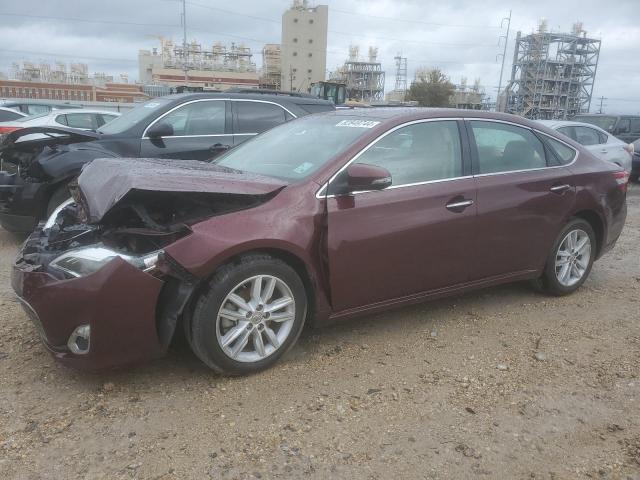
x=573, y=257
x=255, y=318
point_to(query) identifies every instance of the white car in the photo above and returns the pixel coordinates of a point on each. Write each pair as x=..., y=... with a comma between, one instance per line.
x=600, y=143
x=83, y=119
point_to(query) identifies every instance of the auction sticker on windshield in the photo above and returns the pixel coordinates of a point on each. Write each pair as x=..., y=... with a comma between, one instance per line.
x=357, y=123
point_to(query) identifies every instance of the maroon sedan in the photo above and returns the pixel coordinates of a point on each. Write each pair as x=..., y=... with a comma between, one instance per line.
x=324, y=218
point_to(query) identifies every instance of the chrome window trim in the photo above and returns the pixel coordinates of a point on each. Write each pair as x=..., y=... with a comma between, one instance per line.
x=144, y=134
x=319, y=193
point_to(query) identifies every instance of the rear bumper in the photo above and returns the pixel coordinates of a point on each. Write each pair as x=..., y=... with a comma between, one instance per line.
x=118, y=302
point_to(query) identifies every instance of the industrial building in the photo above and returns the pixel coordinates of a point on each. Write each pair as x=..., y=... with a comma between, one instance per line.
x=69, y=83
x=304, y=45
x=218, y=68
x=271, y=76
x=553, y=73
x=364, y=78
x=469, y=97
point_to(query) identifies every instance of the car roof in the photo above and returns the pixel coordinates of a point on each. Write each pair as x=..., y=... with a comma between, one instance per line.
x=294, y=98
x=568, y=123
x=83, y=110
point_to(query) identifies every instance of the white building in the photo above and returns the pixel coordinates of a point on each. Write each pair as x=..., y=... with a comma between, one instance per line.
x=304, y=45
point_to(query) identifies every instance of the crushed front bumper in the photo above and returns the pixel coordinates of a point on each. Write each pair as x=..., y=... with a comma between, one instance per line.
x=118, y=302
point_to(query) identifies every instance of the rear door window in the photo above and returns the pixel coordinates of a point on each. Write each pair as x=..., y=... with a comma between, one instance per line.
x=257, y=117
x=36, y=109
x=506, y=148
x=587, y=136
x=418, y=153
x=61, y=119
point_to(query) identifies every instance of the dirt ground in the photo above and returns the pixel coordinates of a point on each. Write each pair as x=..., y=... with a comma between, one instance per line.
x=503, y=383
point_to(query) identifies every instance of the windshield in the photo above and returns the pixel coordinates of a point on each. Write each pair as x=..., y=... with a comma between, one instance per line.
x=32, y=117
x=295, y=150
x=132, y=117
x=602, y=121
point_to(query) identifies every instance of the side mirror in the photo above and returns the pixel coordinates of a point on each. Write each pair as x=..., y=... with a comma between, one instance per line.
x=361, y=176
x=160, y=130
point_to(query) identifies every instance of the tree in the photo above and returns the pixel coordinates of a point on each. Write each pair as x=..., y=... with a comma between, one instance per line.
x=432, y=88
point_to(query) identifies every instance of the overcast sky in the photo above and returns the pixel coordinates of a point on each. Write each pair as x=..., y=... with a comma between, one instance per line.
x=459, y=36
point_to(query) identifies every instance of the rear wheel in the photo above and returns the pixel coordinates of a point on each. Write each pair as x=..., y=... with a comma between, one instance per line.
x=251, y=314
x=570, y=260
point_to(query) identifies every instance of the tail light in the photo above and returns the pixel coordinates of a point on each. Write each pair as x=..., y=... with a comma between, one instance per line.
x=622, y=179
x=8, y=129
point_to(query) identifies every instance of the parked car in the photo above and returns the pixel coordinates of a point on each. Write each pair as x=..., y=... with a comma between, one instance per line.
x=596, y=140
x=84, y=119
x=635, y=165
x=8, y=114
x=328, y=217
x=624, y=127
x=186, y=126
x=34, y=108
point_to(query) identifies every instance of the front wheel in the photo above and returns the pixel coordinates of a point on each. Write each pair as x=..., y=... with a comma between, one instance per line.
x=570, y=260
x=251, y=314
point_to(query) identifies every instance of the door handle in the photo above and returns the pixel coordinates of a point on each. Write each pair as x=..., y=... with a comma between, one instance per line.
x=459, y=205
x=560, y=189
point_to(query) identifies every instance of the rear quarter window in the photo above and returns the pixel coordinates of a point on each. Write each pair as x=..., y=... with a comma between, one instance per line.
x=563, y=153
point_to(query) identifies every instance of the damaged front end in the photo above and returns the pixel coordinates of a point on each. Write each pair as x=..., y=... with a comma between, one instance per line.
x=95, y=277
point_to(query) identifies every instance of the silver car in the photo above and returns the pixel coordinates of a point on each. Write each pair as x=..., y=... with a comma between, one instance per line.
x=600, y=143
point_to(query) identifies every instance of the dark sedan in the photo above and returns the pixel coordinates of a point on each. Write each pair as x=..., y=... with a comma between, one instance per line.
x=321, y=219
x=188, y=126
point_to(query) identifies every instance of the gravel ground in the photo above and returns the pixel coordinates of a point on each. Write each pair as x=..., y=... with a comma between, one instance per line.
x=501, y=383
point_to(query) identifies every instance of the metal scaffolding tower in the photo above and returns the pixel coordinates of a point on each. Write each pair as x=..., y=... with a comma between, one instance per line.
x=364, y=79
x=401, y=76
x=553, y=73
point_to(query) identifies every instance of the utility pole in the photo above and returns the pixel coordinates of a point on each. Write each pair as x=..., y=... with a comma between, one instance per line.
x=185, y=54
x=602, y=99
x=503, y=55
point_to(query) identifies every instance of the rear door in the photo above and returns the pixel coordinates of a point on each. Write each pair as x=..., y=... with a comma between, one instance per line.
x=201, y=131
x=525, y=193
x=251, y=117
x=414, y=236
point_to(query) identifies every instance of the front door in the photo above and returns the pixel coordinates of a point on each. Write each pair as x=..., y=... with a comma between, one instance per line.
x=201, y=131
x=415, y=236
x=524, y=197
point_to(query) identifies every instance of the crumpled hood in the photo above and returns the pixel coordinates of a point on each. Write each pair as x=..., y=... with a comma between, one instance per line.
x=106, y=181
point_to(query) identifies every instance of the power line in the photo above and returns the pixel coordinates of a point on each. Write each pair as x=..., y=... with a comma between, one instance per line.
x=50, y=54
x=412, y=21
x=72, y=19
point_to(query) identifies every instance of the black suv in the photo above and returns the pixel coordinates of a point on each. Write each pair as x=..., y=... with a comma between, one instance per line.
x=44, y=160
x=624, y=127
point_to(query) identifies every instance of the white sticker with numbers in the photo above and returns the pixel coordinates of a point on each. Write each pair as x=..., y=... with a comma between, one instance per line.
x=357, y=123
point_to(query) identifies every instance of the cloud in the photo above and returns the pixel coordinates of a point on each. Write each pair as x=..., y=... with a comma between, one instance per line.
x=458, y=36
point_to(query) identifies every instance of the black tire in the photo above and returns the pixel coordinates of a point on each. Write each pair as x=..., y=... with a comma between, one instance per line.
x=549, y=282
x=60, y=194
x=203, y=326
